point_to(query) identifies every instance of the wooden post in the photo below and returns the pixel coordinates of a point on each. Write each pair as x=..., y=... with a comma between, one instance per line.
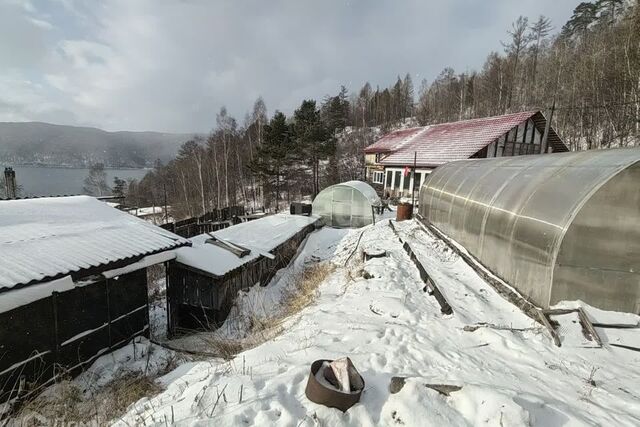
x=106, y=286
x=543, y=143
x=54, y=302
x=524, y=137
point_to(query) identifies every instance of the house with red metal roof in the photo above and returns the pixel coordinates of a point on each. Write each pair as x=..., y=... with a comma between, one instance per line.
x=390, y=161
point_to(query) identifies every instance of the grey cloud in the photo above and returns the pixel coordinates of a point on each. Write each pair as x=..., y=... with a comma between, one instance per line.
x=170, y=66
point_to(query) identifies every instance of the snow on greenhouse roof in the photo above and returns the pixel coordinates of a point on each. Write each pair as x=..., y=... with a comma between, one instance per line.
x=45, y=238
x=261, y=236
x=447, y=142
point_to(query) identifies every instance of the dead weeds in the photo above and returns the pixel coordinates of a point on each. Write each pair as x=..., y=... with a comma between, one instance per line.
x=259, y=325
x=305, y=289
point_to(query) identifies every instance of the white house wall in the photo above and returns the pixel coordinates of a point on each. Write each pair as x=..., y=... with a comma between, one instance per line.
x=397, y=185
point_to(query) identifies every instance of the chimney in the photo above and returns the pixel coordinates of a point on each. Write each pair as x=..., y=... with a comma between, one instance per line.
x=10, y=183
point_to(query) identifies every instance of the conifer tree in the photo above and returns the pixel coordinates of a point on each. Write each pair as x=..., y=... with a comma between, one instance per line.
x=313, y=141
x=274, y=154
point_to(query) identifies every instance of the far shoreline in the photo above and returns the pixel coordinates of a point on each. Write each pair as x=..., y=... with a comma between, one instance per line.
x=43, y=166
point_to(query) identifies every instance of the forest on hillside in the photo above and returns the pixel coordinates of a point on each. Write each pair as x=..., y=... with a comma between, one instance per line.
x=589, y=69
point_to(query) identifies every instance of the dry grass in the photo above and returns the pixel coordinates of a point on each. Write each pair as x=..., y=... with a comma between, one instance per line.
x=66, y=404
x=305, y=291
x=222, y=347
x=259, y=325
x=76, y=403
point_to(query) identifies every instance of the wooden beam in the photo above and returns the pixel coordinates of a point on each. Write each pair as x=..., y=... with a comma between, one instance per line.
x=445, y=307
x=545, y=321
x=584, y=319
x=545, y=137
x=524, y=137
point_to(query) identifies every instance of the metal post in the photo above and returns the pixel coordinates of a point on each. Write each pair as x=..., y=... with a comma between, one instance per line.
x=413, y=175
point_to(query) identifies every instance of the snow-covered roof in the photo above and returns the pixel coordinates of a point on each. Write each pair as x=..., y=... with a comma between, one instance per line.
x=438, y=144
x=260, y=236
x=45, y=238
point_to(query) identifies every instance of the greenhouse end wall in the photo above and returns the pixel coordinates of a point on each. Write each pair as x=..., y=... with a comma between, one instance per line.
x=555, y=226
x=346, y=205
x=599, y=259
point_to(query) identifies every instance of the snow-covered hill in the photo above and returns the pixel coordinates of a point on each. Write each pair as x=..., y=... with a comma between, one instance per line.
x=507, y=365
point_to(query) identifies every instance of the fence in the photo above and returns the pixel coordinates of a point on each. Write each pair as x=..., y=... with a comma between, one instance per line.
x=207, y=223
x=64, y=332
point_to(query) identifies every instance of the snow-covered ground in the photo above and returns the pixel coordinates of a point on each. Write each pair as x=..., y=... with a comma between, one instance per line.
x=510, y=371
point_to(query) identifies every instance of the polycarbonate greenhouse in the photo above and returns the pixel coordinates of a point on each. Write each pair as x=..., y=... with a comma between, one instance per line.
x=556, y=226
x=349, y=204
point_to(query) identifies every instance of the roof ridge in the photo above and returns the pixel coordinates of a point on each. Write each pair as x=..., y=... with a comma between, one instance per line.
x=411, y=137
x=531, y=112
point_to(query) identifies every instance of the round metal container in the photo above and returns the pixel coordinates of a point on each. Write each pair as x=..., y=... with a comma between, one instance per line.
x=318, y=393
x=404, y=212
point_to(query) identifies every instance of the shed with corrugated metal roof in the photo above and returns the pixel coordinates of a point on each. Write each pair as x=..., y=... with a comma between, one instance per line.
x=73, y=285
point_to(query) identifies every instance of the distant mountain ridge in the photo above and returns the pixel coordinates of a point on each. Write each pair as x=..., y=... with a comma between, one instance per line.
x=38, y=143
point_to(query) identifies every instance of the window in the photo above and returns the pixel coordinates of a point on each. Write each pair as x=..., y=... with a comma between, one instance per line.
x=389, y=177
x=378, y=177
x=407, y=181
x=418, y=180
x=396, y=182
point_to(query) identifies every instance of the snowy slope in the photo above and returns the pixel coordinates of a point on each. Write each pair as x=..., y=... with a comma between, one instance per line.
x=389, y=327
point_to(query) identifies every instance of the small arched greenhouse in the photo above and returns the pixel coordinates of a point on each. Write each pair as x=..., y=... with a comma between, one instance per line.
x=350, y=204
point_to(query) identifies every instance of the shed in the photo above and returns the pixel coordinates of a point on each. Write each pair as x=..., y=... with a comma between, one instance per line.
x=556, y=227
x=205, y=278
x=73, y=285
x=349, y=204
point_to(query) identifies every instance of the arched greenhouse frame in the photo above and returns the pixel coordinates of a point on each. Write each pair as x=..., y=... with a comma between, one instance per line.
x=347, y=205
x=556, y=227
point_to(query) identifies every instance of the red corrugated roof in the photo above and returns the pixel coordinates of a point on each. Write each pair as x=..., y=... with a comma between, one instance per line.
x=393, y=140
x=446, y=142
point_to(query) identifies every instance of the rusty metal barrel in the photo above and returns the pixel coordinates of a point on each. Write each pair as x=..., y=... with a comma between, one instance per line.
x=404, y=212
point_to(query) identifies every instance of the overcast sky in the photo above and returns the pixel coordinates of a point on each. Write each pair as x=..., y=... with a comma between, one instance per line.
x=170, y=65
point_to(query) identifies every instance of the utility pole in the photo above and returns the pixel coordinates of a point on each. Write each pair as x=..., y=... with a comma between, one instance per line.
x=545, y=137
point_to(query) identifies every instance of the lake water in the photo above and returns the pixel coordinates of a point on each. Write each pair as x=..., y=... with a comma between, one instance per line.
x=46, y=181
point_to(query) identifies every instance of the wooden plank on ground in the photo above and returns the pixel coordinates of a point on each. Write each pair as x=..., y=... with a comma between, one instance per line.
x=445, y=307
x=499, y=286
x=545, y=321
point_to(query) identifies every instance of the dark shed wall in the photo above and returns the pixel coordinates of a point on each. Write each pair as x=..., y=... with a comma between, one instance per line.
x=69, y=330
x=197, y=300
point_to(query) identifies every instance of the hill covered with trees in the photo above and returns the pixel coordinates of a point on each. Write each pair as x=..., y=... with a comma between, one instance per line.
x=59, y=145
x=589, y=68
